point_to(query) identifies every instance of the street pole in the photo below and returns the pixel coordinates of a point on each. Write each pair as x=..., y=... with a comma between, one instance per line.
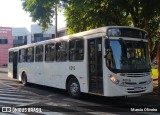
x=56, y=21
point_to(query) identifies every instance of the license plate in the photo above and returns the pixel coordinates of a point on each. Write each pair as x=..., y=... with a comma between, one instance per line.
x=137, y=89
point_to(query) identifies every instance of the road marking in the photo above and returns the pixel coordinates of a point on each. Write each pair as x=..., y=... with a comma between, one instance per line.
x=17, y=99
x=9, y=102
x=56, y=104
x=101, y=113
x=13, y=96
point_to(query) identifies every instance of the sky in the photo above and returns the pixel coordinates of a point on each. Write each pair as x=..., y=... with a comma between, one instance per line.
x=12, y=15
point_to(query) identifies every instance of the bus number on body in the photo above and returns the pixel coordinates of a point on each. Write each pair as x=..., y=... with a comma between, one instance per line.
x=72, y=68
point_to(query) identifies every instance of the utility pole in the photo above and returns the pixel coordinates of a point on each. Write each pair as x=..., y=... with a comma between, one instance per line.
x=56, y=21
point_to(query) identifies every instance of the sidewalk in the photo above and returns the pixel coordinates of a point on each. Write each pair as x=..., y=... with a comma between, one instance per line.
x=3, y=69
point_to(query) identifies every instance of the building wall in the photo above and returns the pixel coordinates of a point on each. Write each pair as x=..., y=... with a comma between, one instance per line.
x=5, y=33
x=62, y=32
x=37, y=34
x=37, y=29
x=20, y=36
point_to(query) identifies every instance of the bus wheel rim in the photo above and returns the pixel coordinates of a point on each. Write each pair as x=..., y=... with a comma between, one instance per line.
x=74, y=88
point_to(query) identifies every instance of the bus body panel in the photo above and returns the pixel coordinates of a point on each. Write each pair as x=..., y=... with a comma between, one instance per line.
x=54, y=74
x=10, y=70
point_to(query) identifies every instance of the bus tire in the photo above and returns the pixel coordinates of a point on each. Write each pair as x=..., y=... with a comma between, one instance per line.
x=73, y=88
x=24, y=79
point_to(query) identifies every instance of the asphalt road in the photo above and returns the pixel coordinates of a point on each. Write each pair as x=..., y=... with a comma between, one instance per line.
x=50, y=101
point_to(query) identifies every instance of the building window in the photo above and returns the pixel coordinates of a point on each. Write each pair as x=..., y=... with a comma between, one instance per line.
x=19, y=40
x=41, y=37
x=76, y=50
x=11, y=56
x=61, y=51
x=50, y=52
x=39, y=53
x=37, y=38
x=22, y=55
x=47, y=35
x=38, y=35
x=20, y=37
x=30, y=54
x=3, y=40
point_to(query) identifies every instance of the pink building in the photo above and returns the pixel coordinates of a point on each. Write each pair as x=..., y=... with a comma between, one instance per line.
x=6, y=42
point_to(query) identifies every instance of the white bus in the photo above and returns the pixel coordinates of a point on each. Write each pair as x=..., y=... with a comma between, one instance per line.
x=107, y=61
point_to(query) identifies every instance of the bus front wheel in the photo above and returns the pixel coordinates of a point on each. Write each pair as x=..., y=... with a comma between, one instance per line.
x=24, y=79
x=73, y=88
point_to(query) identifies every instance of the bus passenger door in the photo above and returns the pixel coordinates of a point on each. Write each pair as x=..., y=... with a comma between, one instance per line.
x=95, y=65
x=15, y=62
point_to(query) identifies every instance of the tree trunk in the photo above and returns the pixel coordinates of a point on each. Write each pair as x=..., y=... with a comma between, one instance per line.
x=56, y=21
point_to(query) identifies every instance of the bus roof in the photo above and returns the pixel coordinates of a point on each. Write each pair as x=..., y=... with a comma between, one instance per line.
x=101, y=30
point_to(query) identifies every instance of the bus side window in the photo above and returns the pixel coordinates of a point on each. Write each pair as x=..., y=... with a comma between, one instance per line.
x=22, y=55
x=79, y=49
x=39, y=53
x=72, y=50
x=76, y=50
x=50, y=52
x=61, y=51
x=30, y=54
x=11, y=56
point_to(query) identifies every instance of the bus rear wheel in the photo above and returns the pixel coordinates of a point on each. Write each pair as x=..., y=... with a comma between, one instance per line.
x=73, y=88
x=24, y=79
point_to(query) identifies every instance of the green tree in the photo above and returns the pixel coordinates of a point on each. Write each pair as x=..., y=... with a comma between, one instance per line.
x=87, y=14
x=42, y=10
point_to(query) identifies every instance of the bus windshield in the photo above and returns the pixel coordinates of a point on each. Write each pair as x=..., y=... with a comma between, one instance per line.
x=127, y=56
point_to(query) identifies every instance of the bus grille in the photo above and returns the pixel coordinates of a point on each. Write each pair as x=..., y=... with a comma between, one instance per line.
x=136, y=90
x=135, y=75
x=138, y=83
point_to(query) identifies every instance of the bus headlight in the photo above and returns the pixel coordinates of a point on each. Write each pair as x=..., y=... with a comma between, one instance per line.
x=114, y=79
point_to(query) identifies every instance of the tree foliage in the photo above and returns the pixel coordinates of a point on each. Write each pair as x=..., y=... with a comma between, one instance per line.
x=87, y=14
x=42, y=10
